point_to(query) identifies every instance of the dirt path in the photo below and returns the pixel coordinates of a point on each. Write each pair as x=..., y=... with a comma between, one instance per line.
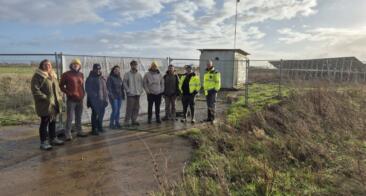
x=115, y=163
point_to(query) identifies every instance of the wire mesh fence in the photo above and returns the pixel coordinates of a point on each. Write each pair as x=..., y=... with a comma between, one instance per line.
x=260, y=82
x=107, y=62
x=16, y=71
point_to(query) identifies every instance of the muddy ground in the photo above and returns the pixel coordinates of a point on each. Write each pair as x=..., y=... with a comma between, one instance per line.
x=119, y=162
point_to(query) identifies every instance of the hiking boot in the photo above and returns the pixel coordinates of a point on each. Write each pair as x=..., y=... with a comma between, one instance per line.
x=101, y=130
x=183, y=120
x=56, y=142
x=82, y=134
x=193, y=121
x=118, y=126
x=94, y=132
x=68, y=138
x=207, y=120
x=45, y=146
x=158, y=121
x=165, y=118
x=149, y=121
x=112, y=126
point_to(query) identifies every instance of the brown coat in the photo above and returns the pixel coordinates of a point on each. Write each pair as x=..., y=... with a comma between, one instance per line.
x=72, y=84
x=46, y=93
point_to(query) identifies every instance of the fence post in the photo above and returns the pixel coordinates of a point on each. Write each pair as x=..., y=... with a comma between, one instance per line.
x=59, y=65
x=280, y=81
x=106, y=65
x=169, y=60
x=246, y=99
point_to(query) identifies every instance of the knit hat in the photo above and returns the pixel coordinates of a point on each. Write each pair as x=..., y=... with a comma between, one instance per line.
x=154, y=63
x=75, y=61
x=96, y=66
x=188, y=66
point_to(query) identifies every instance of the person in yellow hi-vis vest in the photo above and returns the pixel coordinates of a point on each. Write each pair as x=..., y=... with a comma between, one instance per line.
x=189, y=86
x=211, y=85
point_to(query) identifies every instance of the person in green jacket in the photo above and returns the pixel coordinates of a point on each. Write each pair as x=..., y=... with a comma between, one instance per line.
x=189, y=86
x=211, y=85
x=48, y=103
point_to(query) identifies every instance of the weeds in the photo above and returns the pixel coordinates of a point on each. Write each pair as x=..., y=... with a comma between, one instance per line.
x=16, y=101
x=310, y=143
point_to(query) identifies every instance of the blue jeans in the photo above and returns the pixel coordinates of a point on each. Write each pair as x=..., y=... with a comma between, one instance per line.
x=115, y=115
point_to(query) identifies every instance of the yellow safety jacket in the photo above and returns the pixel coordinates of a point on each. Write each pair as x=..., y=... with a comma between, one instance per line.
x=211, y=81
x=194, y=83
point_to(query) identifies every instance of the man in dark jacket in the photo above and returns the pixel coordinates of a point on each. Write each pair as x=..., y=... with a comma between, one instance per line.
x=72, y=84
x=171, y=90
x=96, y=89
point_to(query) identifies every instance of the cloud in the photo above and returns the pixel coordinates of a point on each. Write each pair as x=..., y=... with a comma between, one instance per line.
x=255, y=33
x=131, y=10
x=78, y=11
x=290, y=36
x=186, y=25
x=320, y=42
x=50, y=12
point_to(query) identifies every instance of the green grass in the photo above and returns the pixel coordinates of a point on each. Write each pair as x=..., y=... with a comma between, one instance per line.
x=18, y=70
x=260, y=95
x=15, y=118
x=311, y=143
x=16, y=100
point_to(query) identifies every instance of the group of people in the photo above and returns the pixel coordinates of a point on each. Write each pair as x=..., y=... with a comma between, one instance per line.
x=47, y=92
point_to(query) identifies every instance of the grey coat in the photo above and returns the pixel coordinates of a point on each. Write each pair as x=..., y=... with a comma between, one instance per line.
x=154, y=82
x=132, y=82
x=96, y=90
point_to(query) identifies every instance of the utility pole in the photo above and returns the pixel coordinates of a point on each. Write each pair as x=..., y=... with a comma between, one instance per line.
x=236, y=21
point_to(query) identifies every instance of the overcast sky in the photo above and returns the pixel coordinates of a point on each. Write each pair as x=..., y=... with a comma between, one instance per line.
x=267, y=29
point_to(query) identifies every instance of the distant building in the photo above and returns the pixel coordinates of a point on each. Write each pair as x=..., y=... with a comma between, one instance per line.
x=231, y=63
x=337, y=69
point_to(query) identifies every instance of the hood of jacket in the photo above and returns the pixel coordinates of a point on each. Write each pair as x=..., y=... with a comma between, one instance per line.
x=94, y=74
x=44, y=74
x=210, y=69
x=154, y=71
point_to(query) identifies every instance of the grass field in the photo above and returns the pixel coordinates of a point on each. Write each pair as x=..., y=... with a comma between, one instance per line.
x=309, y=143
x=17, y=70
x=16, y=101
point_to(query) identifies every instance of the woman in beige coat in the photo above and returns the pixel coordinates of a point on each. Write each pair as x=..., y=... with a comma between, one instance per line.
x=48, y=103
